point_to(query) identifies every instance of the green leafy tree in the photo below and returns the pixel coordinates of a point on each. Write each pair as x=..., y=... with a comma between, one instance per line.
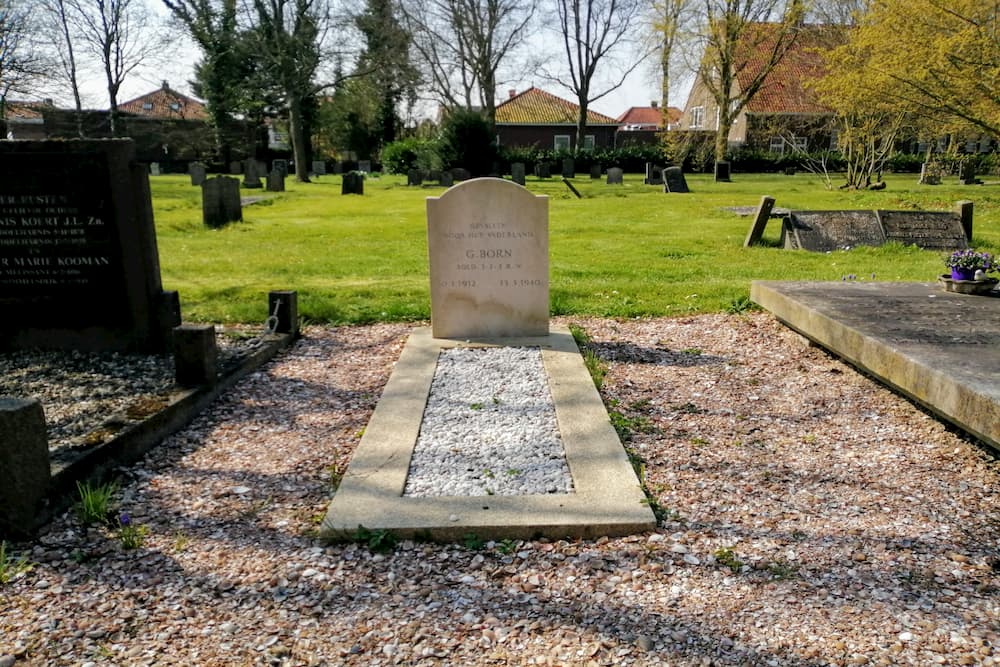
x=467, y=141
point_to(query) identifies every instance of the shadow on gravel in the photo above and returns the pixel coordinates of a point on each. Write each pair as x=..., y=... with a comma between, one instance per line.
x=660, y=356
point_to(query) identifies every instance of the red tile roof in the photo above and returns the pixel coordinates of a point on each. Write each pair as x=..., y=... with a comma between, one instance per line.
x=787, y=88
x=164, y=102
x=537, y=107
x=649, y=116
x=24, y=111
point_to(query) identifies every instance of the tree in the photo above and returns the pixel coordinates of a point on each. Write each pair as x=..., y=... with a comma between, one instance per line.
x=121, y=35
x=465, y=43
x=668, y=20
x=593, y=32
x=837, y=12
x=21, y=62
x=58, y=22
x=741, y=48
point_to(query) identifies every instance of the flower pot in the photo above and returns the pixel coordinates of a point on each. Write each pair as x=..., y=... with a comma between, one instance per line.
x=963, y=274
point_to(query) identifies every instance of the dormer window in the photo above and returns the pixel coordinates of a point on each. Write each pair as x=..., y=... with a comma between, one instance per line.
x=175, y=106
x=147, y=106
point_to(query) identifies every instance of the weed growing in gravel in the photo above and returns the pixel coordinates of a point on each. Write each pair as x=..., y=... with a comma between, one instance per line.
x=181, y=542
x=10, y=567
x=376, y=540
x=595, y=366
x=507, y=546
x=741, y=304
x=335, y=475
x=476, y=406
x=94, y=505
x=473, y=542
x=781, y=570
x=693, y=351
x=131, y=536
x=726, y=557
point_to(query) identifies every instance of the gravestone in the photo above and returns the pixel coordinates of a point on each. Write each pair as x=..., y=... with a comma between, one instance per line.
x=461, y=174
x=674, y=181
x=654, y=174
x=568, y=168
x=220, y=201
x=967, y=173
x=543, y=170
x=197, y=172
x=319, y=167
x=517, y=173
x=353, y=183
x=276, y=181
x=280, y=165
x=723, y=172
x=446, y=179
x=24, y=464
x=414, y=177
x=615, y=176
x=930, y=230
x=825, y=231
x=489, y=261
x=496, y=171
x=929, y=174
x=595, y=171
x=338, y=167
x=365, y=166
x=79, y=267
x=154, y=168
x=762, y=215
x=252, y=170
x=235, y=167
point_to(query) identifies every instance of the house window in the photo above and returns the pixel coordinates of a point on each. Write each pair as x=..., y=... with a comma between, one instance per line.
x=777, y=145
x=561, y=142
x=697, y=116
x=588, y=142
x=147, y=106
x=835, y=140
x=175, y=106
x=800, y=143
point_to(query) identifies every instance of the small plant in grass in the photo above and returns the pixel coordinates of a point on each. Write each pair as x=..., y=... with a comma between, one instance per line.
x=693, y=351
x=507, y=546
x=476, y=406
x=595, y=366
x=381, y=541
x=94, y=505
x=780, y=569
x=130, y=534
x=10, y=567
x=473, y=542
x=726, y=557
x=335, y=476
x=512, y=472
x=740, y=304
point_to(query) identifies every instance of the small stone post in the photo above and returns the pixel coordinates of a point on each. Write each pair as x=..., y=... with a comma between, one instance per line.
x=760, y=219
x=24, y=464
x=195, y=354
x=964, y=211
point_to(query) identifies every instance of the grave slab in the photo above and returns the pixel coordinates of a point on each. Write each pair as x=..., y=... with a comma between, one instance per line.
x=938, y=348
x=607, y=498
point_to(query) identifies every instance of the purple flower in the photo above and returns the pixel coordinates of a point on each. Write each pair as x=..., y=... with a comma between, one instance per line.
x=125, y=519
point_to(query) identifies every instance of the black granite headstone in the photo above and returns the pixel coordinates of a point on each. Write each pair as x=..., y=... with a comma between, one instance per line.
x=595, y=171
x=280, y=165
x=461, y=174
x=220, y=201
x=930, y=230
x=674, y=181
x=252, y=171
x=543, y=170
x=824, y=231
x=447, y=179
x=319, y=167
x=654, y=174
x=414, y=177
x=353, y=183
x=723, y=172
x=517, y=172
x=197, y=172
x=276, y=180
x=79, y=267
x=568, y=168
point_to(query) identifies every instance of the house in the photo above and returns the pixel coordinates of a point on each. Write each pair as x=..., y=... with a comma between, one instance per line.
x=537, y=118
x=785, y=114
x=165, y=103
x=25, y=120
x=642, y=125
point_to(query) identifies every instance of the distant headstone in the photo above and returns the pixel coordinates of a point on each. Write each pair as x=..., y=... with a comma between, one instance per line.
x=654, y=174
x=929, y=174
x=496, y=171
x=197, y=172
x=762, y=215
x=79, y=267
x=461, y=174
x=723, y=171
x=276, y=180
x=789, y=171
x=353, y=183
x=615, y=176
x=447, y=179
x=595, y=171
x=365, y=166
x=319, y=167
x=220, y=201
x=517, y=172
x=414, y=177
x=543, y=170
x=235, y=167
x=24, y=464
x=434, y=175
x=964, y=211
x=967, y=173
x=154, y=168
x=338, y=167
x=674, y=181
x=488, y=244
x=280, y=165
x=930, y=230
x=252, y=170
x=568, y=168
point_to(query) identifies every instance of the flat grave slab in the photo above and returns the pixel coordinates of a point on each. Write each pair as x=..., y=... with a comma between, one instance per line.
x=606, y=499
x=939, y=348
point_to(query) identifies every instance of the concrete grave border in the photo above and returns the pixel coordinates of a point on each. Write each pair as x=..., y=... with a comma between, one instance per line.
x=607, y=498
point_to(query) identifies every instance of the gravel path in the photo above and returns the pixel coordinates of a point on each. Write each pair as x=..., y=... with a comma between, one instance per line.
x=814, y=518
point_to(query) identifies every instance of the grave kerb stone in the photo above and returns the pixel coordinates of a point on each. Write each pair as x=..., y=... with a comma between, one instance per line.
x=25, y=471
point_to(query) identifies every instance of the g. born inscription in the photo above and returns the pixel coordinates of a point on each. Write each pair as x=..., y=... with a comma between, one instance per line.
x=488, y=244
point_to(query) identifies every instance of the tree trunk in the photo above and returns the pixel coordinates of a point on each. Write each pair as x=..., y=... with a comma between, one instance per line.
x=297, y=136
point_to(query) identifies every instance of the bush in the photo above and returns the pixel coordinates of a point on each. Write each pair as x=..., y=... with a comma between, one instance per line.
x=466, y=141
x=400, y=156
x=631, y=158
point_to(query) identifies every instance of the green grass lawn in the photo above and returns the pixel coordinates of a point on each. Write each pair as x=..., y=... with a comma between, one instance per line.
x=621, y=251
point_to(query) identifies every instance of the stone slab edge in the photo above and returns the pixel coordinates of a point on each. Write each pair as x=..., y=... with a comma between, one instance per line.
x=935, y=390
x=607, y=499
x=134, y=441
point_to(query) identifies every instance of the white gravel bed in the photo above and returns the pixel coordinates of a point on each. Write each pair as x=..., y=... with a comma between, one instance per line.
x=489, y=428
x=813, y=518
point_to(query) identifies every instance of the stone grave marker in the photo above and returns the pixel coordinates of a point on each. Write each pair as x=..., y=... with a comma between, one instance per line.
x=967, y=173
x=929, y=175
x=154, y=168
x=414, y=177
x=365, y=166
x=79, y=267
x=338, y=167
x=615, y=176
x=517, y=172
x=824, y=231
x=280, y=165
x=674, y=181
x=235, y=167
x=488, y=245
x=252, y=170
x=319, y=167
x=353, y=183
x=595, y=171
x=930, y=230
x=654, y=174
x=446, y=178
x=461, y=174
x=276, y=180
x=220, y=201
x=723, y=171
x=761, y=216
x=197, y=172
x=568, y=168
x=543, y=170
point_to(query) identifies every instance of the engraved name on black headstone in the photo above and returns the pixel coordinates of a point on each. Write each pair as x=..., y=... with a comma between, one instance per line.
x=930, y=230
